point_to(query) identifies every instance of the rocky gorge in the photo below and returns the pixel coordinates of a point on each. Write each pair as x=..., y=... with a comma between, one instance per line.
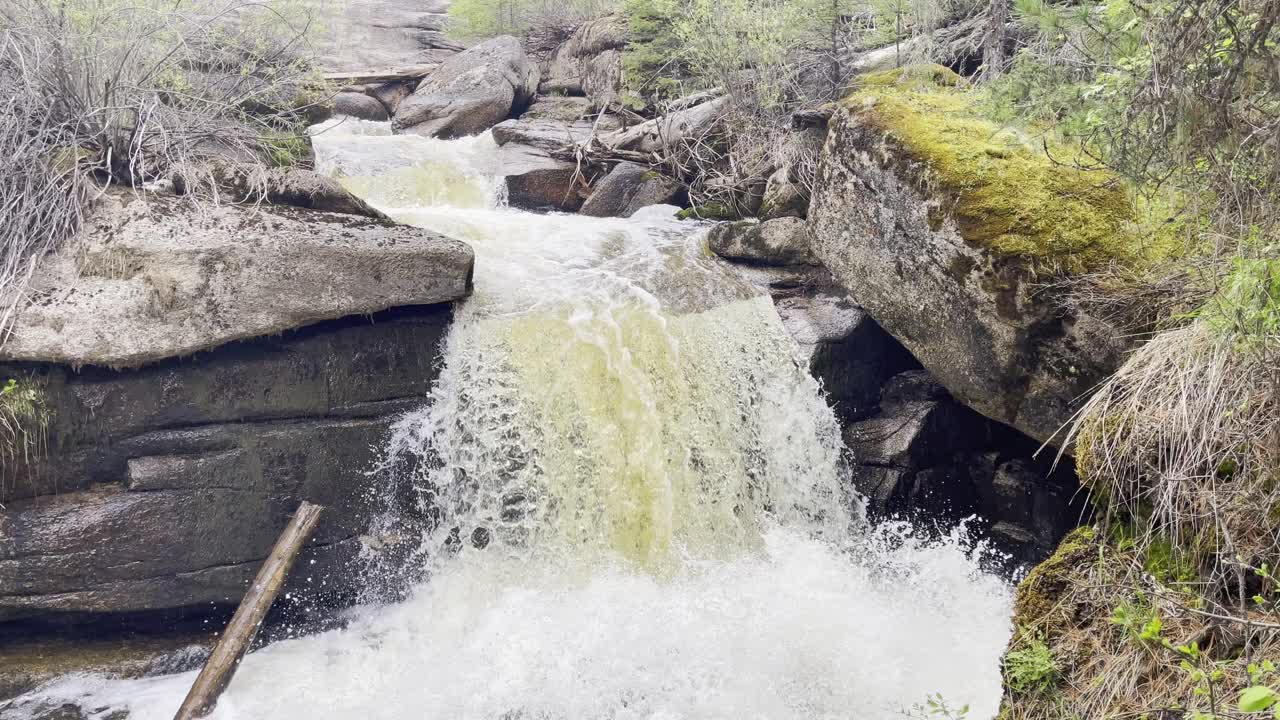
x=201, y=371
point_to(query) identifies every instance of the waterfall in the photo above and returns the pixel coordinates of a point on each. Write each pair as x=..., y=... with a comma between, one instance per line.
x=638, y=505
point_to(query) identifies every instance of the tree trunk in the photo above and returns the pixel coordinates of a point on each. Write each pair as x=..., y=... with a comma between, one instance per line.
x=995, y=59
x=224, y=660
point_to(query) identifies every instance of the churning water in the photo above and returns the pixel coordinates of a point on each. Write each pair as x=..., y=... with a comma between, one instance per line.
x=637, y=502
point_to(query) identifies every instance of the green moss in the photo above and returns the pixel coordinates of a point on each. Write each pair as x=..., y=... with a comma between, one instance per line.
x=913, y=76
x=287, y=150
x=710, y=211
x=1040, y=592
x=1003, y=189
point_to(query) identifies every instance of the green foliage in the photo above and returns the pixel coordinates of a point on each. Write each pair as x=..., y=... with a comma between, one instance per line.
x=710, y=211
x=936, y=707
x=1247, y=307
x=1031, y=669
x=651, y=63
x=1139, y=619
x=24, y=423
x=471, y=20
x=287, y=149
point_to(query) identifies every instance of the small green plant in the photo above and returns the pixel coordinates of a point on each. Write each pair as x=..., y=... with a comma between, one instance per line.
x=1140, y=621
x=24, y=422
x=936, y=707
x=1260, y=697
x=1031, y=669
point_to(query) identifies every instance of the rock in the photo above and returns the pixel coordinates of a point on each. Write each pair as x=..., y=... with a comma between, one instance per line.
x=559, y=108
x=160, y=278
x=589, y=62
x=538, y=161
x=537, y=181
x=784, y=241
x=553, y=137
x=975, y=315
x=362, y=35
x=251, y=183
x=471, y=91
x=358, y=105
x=570, y=110
x=927, y=457
x=786, y=192
x=629, y=187
x=391, y=94
x=844, y=349
x=206, y=458
x=27, y=662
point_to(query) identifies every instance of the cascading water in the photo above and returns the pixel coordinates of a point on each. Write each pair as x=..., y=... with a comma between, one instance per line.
x=636, y=496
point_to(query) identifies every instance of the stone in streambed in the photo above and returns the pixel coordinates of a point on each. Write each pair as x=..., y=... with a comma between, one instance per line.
x=628, y=188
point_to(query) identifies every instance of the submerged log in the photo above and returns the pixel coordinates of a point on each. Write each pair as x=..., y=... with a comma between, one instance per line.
x=224, y=660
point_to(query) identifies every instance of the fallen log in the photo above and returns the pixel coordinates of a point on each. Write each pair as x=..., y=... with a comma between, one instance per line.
x=233, y=644
x=377, y=77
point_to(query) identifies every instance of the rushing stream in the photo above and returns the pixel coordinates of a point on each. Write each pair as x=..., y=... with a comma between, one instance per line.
x=637, y=499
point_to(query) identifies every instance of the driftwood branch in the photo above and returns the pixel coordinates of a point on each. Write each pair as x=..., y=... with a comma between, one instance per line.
x=224, y=660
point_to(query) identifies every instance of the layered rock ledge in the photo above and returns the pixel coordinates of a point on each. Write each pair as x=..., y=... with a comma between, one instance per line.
x=198, y=372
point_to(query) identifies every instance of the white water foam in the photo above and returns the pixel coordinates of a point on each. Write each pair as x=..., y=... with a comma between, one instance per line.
x=640, y=498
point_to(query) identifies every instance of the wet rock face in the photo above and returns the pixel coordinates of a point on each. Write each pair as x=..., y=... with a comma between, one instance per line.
x=924, y=456
x=165, y=487
x=537, y=160
x=976, y=320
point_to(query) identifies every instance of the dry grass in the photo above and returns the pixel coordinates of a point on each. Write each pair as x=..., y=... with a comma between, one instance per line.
x=113, y=92
x=1168, y=605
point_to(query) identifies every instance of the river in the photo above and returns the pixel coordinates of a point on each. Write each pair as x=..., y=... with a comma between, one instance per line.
x=638, y=502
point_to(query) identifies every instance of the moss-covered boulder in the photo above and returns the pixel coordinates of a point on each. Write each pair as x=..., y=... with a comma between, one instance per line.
x=947, y=228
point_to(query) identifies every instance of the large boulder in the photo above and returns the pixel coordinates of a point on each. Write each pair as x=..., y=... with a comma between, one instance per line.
x=162, y=277
x=629, y=187
x=946, y=230
x=253, y=183
x=784, y=241
x=471, y=91
x=589, y=62
x=191, y=374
